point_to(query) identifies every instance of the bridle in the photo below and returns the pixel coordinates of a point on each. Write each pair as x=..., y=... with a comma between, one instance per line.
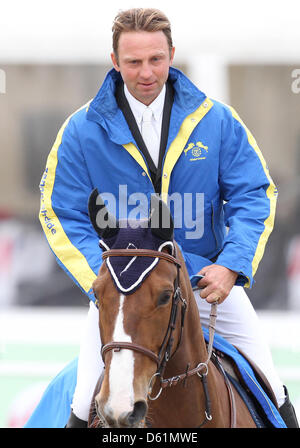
x=165, y=352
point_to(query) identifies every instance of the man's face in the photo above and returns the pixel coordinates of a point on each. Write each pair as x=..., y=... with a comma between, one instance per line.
x=143, y=61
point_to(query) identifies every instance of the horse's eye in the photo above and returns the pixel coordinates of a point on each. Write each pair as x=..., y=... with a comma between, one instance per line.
x=164, y=298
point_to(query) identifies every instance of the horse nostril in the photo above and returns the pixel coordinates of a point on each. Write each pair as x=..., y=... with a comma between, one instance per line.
x=139, y=412
x=134, y=417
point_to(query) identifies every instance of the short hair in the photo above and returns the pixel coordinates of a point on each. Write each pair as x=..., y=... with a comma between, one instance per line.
x=141, y=19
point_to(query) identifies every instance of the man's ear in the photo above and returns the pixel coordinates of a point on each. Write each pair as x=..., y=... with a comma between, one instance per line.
x=172, y=55
x=115, y=62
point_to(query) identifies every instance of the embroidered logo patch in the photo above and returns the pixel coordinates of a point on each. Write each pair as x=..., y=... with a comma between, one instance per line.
x=196, y=151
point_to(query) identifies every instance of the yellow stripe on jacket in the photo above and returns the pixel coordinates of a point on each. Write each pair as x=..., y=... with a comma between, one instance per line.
x=271, y=194
x=59, y=242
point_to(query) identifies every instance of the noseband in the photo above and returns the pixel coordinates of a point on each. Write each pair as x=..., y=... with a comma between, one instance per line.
x=165, y=350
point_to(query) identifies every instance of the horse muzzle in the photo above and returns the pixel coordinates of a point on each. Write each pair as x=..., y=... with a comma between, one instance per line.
x=133, y=418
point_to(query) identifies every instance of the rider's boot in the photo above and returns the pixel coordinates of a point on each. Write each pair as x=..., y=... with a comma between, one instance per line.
x=288, y=413
x=75, y=422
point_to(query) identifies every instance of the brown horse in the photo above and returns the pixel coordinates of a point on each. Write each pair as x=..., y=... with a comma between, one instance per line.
x=158, y=371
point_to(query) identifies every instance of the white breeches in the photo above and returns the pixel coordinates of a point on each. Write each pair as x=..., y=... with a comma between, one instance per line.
x=237, y=322
x=90, y=364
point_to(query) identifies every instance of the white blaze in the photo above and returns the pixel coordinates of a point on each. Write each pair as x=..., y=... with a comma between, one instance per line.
x=121, y=394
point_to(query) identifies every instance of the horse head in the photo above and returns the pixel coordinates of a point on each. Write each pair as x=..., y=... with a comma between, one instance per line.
x=136, y=289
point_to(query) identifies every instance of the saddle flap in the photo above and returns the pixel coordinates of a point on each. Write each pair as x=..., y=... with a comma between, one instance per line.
x=250, y=377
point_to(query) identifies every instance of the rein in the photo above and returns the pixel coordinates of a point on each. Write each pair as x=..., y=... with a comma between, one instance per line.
x=165, y=351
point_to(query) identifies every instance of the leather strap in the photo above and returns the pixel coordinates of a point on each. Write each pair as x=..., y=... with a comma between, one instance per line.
x=230, y=391
x=176, y=379
x=117, y=346
x=212, y=329
x=140, y=253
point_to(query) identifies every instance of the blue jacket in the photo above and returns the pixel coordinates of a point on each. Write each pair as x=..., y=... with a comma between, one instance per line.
x=211, y=159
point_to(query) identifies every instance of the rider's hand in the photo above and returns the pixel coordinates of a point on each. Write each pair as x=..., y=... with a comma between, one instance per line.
x=217, y=282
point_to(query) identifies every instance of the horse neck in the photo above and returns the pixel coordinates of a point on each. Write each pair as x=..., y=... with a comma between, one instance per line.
x=192, y=345
x=189, y=353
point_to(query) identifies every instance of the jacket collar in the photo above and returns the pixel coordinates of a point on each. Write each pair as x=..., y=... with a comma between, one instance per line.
x=104, y=109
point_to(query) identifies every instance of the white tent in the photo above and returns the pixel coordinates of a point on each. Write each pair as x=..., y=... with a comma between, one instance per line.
x=72, y=30
x=207, y=35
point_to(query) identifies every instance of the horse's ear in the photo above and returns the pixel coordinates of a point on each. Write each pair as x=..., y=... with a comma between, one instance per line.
x=161, y=221
x=105, y=224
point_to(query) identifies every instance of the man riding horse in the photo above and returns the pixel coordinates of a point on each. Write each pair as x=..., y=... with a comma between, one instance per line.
x=134, y=134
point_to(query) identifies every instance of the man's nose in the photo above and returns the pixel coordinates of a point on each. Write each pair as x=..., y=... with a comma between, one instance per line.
x=146, y=71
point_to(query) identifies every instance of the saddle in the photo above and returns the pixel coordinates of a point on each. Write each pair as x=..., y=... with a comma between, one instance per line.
x=248, y=380
x=231, y=369
x=232, y=375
